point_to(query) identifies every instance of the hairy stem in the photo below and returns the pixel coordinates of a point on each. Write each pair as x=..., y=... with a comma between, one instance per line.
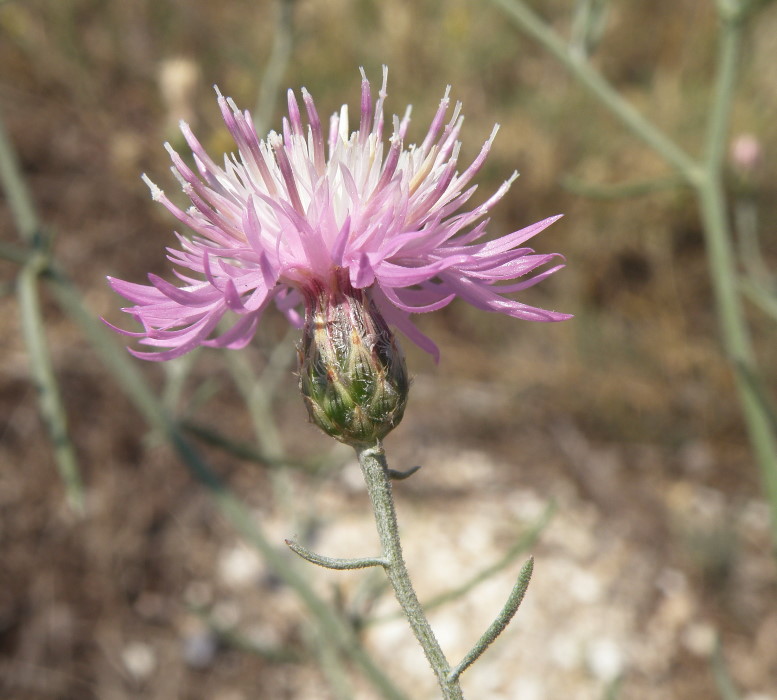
x=502, y=620
x=376, y=474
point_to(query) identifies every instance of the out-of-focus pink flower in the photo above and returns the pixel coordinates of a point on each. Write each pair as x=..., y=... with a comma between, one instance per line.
x=746, y=153
x=283, y=216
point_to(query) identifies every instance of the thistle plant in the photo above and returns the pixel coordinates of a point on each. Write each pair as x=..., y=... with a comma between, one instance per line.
x=348, y=236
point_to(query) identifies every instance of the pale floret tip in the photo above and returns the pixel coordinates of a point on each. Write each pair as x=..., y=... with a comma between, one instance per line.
x=156, y=192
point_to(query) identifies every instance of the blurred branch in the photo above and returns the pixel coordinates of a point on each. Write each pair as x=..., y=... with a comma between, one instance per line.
x=723, y=95
x=176, y=371
x=51, y=408
x=257, y=391
x=761, y=297
x=49, y=399
x=16, y=192
x=14, y=253
x=722, y=264
x=621, y=191
x=331, y=665
x=756, y=389
x=246, y=451
x=706, y=178
x=523, y=543
x=275, y=69
x=233, y=638
x=723, y=680
x=748, y=243
x=612, y=690
x=588, y=76
x=590, y=17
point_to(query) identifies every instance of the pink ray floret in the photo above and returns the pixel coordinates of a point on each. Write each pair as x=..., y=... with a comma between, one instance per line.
x=284, y=213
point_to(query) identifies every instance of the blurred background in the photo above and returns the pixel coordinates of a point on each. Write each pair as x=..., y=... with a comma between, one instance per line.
x=617, y=434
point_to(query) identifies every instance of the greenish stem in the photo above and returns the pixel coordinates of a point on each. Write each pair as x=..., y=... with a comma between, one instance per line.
x=521, y=545
x=706, y=178
x=723, y=680
x=762, y=298
x=723, y=97
x=722, y=263
x=258, y=391
x=621, y=190
x=16, y=192
x=51, y=408
x=375, y=470
x=736, y=340
x=247, y=451
x=335, y=562
x=612, y=690
x=14, y=253
x=330, y=663
x=748, y=243
x=502, y=620
x=280, y=53
x=588, y=25
x=28, y=226
x=395, y=475
x=588, y=76
x=177, y=373
x=231, y=637
x=712, y=202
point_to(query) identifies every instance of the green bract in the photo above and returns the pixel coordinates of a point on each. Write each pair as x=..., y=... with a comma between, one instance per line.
x=352, y=372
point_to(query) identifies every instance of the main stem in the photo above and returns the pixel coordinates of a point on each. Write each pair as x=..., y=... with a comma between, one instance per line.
x=373, y=463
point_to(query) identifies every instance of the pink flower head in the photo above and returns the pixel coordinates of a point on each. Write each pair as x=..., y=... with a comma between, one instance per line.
x=283, y=216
